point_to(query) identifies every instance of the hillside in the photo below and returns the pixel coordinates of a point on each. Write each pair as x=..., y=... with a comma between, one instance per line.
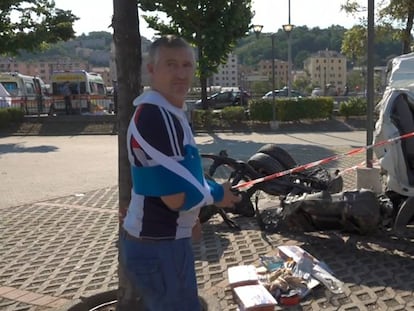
x=95, y=47
x=306, y=41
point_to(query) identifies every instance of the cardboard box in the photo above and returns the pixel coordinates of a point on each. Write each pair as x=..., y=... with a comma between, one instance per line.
x=242, y=275
x=317, y=271
x=254, y=298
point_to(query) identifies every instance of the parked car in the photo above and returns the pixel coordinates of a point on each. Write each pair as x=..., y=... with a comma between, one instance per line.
x=330, y=90
x=224, y=99
x=317, y=91
x=282, y=93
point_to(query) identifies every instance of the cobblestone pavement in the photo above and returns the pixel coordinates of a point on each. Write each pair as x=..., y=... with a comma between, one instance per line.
x=56, y=251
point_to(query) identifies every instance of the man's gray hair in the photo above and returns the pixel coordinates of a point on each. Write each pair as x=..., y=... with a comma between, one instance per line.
x=167, y=41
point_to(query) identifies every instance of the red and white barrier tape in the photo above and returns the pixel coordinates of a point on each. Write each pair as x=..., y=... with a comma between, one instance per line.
x=304, y=167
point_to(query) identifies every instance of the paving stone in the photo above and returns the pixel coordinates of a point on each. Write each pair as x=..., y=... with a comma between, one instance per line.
x=65, y=248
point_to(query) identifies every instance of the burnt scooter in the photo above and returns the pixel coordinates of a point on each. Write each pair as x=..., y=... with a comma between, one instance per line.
x=310, y=200
x=269, y=159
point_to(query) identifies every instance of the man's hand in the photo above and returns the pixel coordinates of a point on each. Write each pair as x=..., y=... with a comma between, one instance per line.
x=230, y=197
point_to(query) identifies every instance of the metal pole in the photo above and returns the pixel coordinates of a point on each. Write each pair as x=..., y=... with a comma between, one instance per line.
x=370, y=82
x=289, y=56
x=289, y=12
x=273, y=80
x=289, y=64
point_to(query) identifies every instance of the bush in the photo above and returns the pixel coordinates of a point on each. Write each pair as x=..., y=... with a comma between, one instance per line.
x=203, y=118
x=233, y=115
x=4, y=118
x=10, y=115
x=261, y=110
x=16, y=114
x=305, y=108
x=292, y=109
x=355, y=106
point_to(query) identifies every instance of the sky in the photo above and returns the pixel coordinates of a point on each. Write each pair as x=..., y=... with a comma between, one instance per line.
x=95, y=15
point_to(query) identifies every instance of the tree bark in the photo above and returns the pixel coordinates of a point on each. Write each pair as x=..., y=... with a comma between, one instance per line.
x=127, y=42
x=407, y=31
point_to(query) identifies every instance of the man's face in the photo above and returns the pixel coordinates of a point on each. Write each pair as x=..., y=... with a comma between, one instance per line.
x=172, y=73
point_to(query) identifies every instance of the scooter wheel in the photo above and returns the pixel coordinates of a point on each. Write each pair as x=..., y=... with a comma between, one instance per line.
x=279, y=154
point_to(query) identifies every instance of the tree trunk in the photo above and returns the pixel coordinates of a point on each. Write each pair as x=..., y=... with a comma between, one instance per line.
x=127, y=43
x=203, y=82
x=407, y=31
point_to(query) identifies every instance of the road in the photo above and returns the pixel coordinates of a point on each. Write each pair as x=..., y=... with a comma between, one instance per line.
x=38, y=168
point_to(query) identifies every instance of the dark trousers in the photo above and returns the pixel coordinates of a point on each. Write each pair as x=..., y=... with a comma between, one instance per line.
x=68, y=105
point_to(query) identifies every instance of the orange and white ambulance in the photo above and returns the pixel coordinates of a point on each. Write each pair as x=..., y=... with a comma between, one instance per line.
x=88, y=92
x=26, y=92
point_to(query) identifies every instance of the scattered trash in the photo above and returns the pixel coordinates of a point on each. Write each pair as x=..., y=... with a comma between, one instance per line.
x=288, y=276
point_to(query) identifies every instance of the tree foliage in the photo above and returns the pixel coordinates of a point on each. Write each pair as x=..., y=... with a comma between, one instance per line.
x=212, y=26
x=402, y=12
x=393, y=16
x=31, y=24
x=354, y=43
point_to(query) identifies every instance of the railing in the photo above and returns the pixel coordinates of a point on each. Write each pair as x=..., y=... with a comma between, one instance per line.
x=38, y=106
x=53, y=106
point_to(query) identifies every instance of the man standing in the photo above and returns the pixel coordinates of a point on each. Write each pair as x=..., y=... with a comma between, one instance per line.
x=169, y=187
x=67, y=96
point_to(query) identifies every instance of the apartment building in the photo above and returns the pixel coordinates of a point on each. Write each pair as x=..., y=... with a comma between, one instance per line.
x=327, y=68
x=281, y=71
x=227, y=74
x=43, y=69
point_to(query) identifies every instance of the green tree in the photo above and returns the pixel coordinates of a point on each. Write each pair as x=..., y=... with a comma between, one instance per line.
x=31, y=24
x=354, y=44
x=212, y=26
x=302, y=84
x=391, y=15
x=401, y=12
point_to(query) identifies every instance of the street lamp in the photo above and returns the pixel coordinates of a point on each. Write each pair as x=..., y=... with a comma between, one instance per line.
x=288, y=29
x=257, y=30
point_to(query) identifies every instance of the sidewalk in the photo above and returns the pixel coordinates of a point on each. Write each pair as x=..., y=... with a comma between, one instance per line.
x=56, y=251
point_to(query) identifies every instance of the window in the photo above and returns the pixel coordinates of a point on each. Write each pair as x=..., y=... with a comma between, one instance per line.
x=29, y=88
x=11, y=87
x=101, y=89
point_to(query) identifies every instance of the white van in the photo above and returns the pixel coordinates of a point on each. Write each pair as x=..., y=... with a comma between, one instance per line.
x=88, y=92
x=27, y=92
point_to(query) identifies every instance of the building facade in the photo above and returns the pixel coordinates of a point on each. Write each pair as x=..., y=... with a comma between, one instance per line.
x=227, y=74
x=327, y=69
x=281, y=71
x=42, y=69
